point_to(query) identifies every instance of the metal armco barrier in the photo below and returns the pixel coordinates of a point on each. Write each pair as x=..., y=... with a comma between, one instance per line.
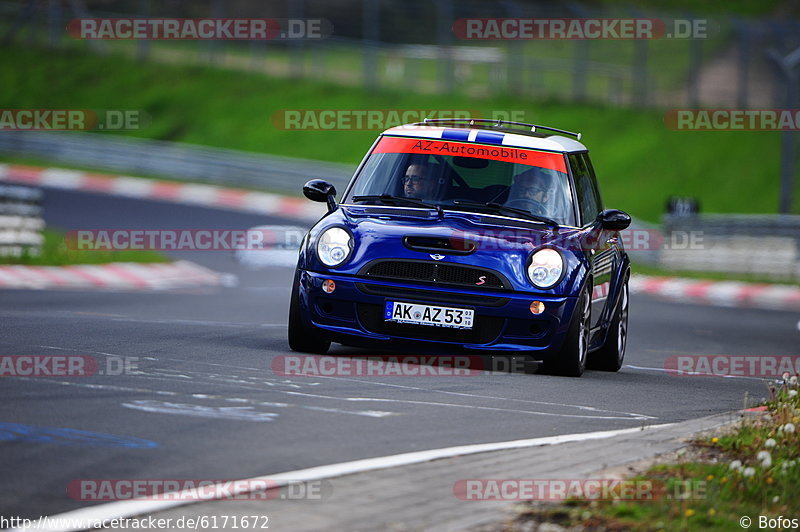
x=764, y=245
x=21, y=222
x=174, y=160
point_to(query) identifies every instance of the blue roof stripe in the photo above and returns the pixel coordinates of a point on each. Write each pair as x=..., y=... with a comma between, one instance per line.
x=490, y=137
x=455, y=134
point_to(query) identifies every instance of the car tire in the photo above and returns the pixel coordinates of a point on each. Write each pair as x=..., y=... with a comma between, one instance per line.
x=611, y=355
x=571, y=360
x=301, y=337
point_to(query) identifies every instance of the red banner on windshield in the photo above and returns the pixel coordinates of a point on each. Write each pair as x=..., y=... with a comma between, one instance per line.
x=553, y=161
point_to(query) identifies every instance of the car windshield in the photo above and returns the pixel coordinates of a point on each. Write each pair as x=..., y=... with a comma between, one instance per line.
x=465, y=176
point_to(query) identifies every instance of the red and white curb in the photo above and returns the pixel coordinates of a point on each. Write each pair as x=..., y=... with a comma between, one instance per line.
x=159, y=276
x=721, y=293
x=188, y=193
x=113, y=276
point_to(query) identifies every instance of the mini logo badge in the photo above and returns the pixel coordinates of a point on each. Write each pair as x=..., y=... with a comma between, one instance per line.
x=481, y=280
x=436, y=256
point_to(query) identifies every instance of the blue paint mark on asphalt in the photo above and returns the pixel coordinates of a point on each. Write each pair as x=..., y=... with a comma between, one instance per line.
x=15, y=432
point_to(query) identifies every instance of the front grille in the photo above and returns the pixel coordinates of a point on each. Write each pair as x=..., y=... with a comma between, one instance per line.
x=485, y=329
x=431, y=295
x=435, y=272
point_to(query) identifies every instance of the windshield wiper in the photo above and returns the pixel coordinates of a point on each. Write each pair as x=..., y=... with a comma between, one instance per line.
x=388, y=198
x=497, y=207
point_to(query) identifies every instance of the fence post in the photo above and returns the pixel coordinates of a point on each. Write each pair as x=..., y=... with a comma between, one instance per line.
x=695, y=65
x=55, y=29
x=217, y=11
x=296, y=46
x=787, y=68
x=581, y=63
x=744, y=33
x=445, y=40
x=371, y=37
x=143, y=45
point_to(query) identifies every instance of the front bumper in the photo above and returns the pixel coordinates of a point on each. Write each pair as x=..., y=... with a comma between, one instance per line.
x=354, y=314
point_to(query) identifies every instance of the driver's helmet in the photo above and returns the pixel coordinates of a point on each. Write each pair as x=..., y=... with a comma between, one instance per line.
x=536, y=184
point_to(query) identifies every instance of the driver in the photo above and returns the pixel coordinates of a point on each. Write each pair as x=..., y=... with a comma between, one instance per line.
x=418, y=181
x=536, y=185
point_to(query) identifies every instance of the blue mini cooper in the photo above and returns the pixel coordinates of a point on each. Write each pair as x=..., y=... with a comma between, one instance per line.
x=472, y=235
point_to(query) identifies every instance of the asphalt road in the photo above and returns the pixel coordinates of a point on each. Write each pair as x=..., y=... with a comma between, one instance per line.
x=204, y=403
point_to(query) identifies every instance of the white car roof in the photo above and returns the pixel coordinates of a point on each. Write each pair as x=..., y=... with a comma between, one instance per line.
x=489, y=136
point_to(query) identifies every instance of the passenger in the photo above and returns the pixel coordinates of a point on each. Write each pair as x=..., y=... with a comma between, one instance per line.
x=532, y=190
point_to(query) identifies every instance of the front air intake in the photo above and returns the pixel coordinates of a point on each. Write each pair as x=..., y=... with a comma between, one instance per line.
x=440, y=244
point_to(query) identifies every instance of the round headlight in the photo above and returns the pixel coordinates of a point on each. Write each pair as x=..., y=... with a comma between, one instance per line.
x=334, y=246
x=545, y=268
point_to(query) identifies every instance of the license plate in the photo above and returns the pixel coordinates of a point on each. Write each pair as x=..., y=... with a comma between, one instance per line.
x=456, y=318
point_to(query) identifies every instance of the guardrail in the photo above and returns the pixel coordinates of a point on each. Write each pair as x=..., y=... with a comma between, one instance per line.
x=21, y=222
x=173, y=160
x=764, y=245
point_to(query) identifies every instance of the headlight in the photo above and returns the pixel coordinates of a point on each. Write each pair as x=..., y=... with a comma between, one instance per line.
x=545, y=268
x=334, y=246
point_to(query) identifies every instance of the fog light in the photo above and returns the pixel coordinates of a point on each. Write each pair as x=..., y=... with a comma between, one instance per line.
x=537, y=307
x=328, y=286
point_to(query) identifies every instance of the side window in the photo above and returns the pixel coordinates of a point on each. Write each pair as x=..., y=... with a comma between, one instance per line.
x=589, y=203
x=595, y=184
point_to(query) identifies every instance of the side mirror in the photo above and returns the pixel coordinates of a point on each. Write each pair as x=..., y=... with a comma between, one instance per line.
x=614, y=220
x=319, y=190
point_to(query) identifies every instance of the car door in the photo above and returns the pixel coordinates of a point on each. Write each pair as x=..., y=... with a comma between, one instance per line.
x=602, y=247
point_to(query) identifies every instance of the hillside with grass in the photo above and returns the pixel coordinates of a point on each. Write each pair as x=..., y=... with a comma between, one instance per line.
x=640, y=162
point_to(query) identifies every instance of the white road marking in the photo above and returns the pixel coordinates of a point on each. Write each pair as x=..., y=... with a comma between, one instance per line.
x=129, y=508
x=113, y=387
x=149, y=391
x=697, y=373
x=244, y=382
x=634, y=415
x=234, y=413
x=798, y=325
x=457, y=405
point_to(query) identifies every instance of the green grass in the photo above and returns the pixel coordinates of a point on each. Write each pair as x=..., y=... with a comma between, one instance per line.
x=55, y=252
x=639, y=161
x=706, y=491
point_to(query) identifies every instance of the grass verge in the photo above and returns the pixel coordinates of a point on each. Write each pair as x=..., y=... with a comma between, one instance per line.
x=55, y=252
x=640, y=161
x=750, y=471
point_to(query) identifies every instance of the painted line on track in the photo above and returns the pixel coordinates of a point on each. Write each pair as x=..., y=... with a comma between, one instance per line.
x=130, y=508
